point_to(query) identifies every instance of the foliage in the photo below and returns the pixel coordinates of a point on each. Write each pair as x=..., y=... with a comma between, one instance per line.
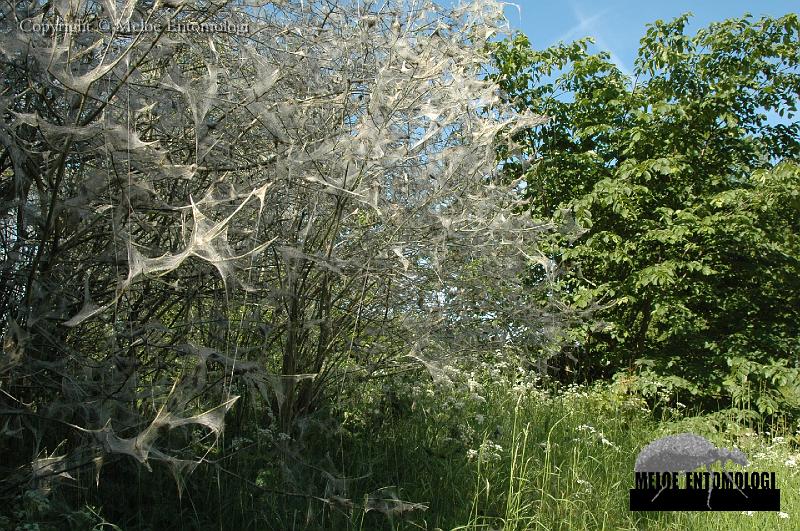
x=35, y=511
x=684, y=181
x=493, y=449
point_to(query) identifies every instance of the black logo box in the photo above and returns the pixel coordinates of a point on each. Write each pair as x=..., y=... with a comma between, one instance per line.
x=695, y=500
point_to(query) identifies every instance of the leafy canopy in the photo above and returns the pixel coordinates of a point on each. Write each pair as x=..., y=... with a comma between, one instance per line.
x=685, y=182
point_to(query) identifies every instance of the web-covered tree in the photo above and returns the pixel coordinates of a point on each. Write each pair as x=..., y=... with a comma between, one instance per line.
x=190, y=217
x=684, y=180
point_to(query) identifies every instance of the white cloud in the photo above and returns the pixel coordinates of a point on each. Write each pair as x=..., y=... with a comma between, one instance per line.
x=584, y=24
x=592, y=25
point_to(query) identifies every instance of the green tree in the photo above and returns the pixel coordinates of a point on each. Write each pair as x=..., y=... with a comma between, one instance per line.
x=685, y=182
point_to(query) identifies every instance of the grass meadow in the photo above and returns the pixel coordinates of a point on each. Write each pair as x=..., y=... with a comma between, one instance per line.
x=468, y=453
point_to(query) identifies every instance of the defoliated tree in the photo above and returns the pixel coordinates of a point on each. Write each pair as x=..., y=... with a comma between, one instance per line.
x=300, y=195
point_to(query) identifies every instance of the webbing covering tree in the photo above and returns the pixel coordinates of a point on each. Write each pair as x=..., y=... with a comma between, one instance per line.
x=190, y=216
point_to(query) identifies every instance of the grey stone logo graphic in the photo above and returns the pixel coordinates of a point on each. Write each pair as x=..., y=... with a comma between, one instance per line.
x=684, y=453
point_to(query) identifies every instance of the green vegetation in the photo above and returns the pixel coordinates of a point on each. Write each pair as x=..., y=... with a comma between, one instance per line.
x=489, y=451
x=333, y=319
x=684, y=181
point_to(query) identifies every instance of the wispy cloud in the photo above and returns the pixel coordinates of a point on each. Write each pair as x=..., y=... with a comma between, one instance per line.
x=584, y=24
x=592, y=25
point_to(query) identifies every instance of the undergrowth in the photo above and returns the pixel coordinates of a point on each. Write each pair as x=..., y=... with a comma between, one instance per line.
x=481, y=451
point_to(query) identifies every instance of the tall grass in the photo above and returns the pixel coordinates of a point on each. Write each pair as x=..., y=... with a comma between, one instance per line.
x=507, y=457
x=559, y=460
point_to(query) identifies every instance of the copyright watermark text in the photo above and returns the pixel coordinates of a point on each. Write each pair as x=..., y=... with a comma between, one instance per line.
x=107, y=26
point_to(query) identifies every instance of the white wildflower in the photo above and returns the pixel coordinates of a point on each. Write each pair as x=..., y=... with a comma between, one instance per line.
x=607, y=442
x=491, y=451
x=783, y=515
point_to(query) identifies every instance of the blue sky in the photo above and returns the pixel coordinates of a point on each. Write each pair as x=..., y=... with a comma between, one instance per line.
x=618, y=25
